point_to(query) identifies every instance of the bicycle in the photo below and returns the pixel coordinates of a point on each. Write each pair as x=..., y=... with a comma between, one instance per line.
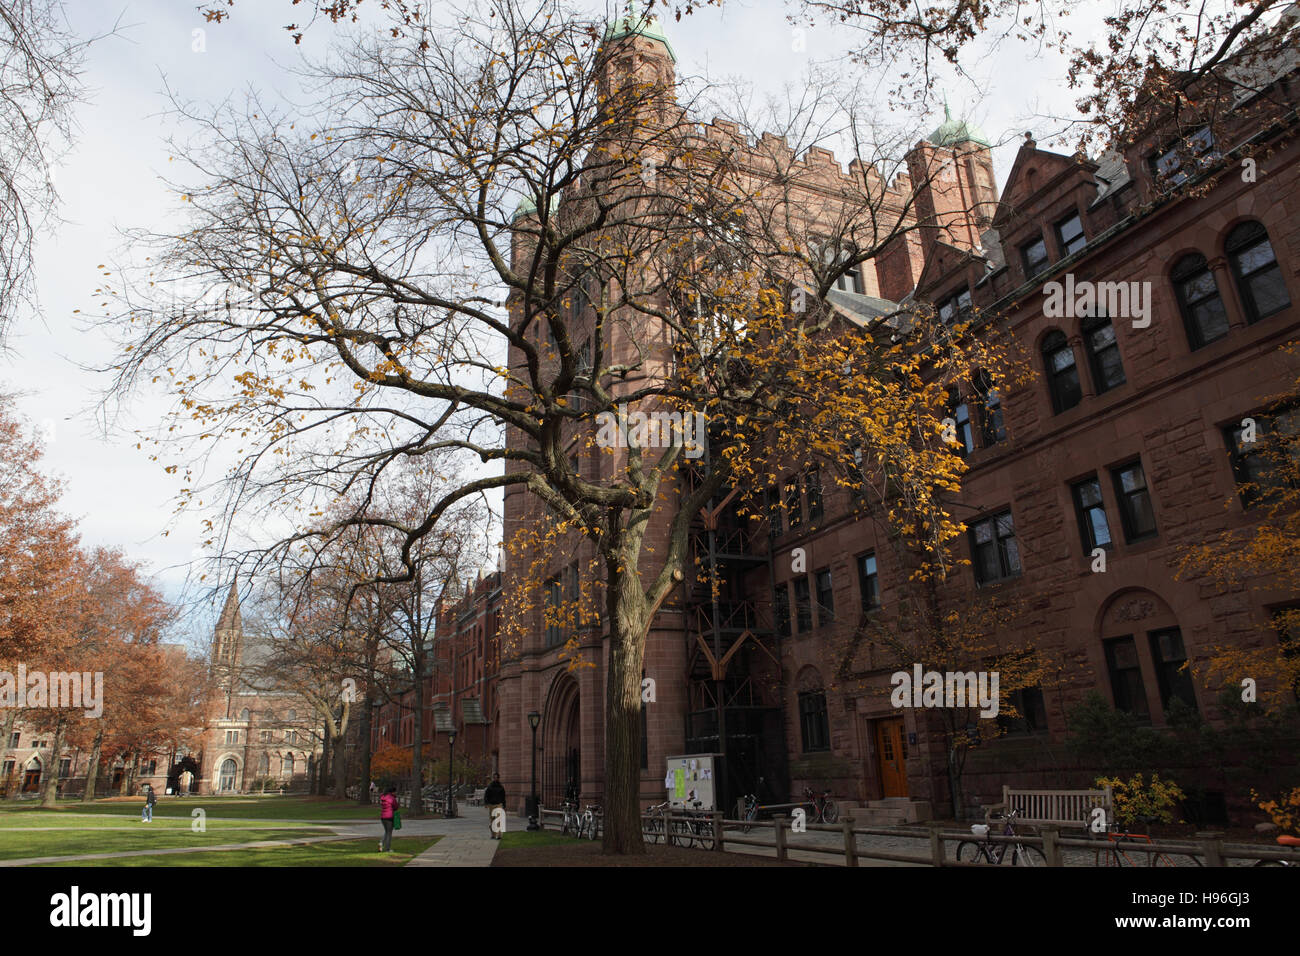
x=579, y=824
x=1122, y=843
x=751, y=812
x=984, y=850
x=591, y=819
x=1283, y=840
x=654, y=827
x=824, y=809
x=694, y=826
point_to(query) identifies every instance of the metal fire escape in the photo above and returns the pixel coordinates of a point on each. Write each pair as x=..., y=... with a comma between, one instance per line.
x=733, y=658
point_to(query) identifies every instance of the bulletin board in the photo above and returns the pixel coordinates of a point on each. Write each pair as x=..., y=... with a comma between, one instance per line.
x=691, y=777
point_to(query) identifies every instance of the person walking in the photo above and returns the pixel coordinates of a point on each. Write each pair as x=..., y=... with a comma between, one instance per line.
x=387, y=809
x=494, y=796
x=150, y=798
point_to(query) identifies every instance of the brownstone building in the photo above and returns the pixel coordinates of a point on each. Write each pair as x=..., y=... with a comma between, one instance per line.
x=1118, y=455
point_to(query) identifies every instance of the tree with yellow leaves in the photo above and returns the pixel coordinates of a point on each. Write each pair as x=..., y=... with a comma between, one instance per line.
x=493, y=246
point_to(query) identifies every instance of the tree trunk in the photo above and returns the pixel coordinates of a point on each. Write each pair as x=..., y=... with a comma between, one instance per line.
x=324, y=763
x=363, y=752
x=11, y=717
x=92, y=768
x=626, y=611
x=417, y=751
x=50, y=789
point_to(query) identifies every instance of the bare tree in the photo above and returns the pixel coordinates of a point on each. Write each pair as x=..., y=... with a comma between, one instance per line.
x=664, y=264
x=40, y=81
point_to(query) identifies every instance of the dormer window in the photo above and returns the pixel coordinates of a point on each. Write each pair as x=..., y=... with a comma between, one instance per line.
x=1069, y=233
x=955, y=307
x=1034, y=256
x=1169, y=167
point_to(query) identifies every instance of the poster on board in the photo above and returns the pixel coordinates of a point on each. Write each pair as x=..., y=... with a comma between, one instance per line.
x=689, y=781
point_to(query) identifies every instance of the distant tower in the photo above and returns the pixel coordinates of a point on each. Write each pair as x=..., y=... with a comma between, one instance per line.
x=228, y=645
x=956, y=194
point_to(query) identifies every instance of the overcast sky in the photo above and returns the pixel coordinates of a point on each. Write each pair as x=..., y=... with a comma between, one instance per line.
x=111, y=181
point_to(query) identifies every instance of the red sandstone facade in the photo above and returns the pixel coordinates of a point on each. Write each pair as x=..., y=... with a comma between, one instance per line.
x=1139, y=432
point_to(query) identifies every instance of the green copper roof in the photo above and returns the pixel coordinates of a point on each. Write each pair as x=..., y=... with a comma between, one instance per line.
x=527, y=207
x=951, y=132
x=635, y=23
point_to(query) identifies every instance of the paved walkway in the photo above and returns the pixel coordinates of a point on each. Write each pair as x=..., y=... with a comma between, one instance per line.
x=466, y=840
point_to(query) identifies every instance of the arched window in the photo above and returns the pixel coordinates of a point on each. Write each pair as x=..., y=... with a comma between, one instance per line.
x=1255, y=269
x=243, y=714
x=1103, y=353
x=963, y=434
x=1199, y=300
x=288, y=765
x=1062, y=373
x=228, y=771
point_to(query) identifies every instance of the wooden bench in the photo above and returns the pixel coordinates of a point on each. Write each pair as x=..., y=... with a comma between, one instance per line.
x=1062, y=808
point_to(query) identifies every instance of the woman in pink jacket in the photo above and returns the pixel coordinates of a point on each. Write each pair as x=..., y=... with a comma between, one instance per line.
x=387, y=807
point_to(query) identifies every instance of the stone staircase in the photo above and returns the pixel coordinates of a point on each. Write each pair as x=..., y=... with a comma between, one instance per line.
x=892, y=811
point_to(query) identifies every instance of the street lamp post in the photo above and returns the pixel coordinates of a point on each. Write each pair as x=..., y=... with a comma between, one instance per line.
x=451, y=764
x=534, y=718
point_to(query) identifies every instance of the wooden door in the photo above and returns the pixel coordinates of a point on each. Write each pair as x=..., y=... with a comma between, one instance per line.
x=891, y=751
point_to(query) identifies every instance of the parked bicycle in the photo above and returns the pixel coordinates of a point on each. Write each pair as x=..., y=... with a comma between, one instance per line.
x=654, y=827
x=1283, y=840
x=824, y=809
x=693, y=826
x=1124, y=848
x=984, y=850
x=750, y=813
x=579, y=823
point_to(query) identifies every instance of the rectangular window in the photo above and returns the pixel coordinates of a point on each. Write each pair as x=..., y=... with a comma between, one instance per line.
x=992, y=428
x=783, y=610
x=1103, y=353
x=995, y=553
x=857, y=478
x=65, y=768
x=1069, y=233
x=802, y=605
x=825, y=597
x=813, y=725
x=813, y=491
x=1173, y=165
x=1169, y=655
x=1257, y=468
x=232, y=736
x=964, y=434
x=868, y=581
x=793, y=503
x=1135, y=508
x=1126, y=676
x=6, y=771
x=1028, y=702
x=264, y=736
x=1091, y=512
x=851, y=280
x=775, y=525
x=955, y=307
x=1034, y=256
x=13, y=740
x=554, y=600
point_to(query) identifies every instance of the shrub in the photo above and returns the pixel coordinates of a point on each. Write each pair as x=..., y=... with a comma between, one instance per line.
x=1135, y=798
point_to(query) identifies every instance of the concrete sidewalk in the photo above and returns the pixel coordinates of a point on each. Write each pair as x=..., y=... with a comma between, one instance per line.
x=466, y=841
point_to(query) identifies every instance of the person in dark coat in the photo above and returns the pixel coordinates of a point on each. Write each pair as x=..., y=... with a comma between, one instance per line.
x=494, y=796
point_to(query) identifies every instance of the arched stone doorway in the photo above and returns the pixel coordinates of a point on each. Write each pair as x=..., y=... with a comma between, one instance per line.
x=32, y=776
x=184, y=776
x=561, y=742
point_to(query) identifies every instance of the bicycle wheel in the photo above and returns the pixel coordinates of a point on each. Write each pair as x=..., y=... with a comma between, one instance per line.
x=1027, y=856
x=653, y=830
x=564, y=827
x=969, y=851
x=681, y=833
x=593, y=826
x=704, y=833
x=830, y=812
x=746, y=826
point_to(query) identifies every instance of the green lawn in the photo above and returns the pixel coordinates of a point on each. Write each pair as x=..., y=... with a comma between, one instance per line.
x=250, y=807
x=338, y=853
x=26, y=842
